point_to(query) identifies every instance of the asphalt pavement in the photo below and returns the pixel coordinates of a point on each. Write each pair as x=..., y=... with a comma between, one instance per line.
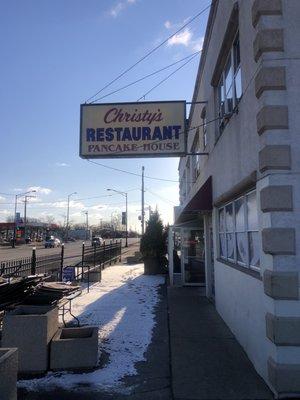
x=72, y=249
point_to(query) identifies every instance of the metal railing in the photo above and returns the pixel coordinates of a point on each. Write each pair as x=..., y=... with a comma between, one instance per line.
x=92, y=256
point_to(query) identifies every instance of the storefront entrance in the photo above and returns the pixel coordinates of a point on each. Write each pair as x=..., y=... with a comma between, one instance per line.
x=193, y=256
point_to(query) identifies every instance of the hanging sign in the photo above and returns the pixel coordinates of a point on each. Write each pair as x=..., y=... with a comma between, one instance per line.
x=146, y=129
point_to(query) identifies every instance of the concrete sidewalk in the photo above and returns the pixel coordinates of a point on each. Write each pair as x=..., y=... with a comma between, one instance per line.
x=207, y=362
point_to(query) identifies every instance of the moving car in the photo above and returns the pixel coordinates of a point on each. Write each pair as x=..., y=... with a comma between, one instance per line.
x=51, y=241
x=97, y=241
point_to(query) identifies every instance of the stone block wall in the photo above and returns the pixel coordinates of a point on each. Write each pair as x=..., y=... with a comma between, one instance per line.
x=278, y=189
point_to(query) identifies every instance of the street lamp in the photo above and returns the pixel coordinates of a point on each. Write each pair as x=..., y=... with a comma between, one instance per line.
x=15, y=216
x=123, y=194
x=68, y=214
x=86, y=224
x=25, y=213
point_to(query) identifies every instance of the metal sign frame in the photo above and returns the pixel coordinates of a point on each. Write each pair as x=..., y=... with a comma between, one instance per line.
x=143, y=155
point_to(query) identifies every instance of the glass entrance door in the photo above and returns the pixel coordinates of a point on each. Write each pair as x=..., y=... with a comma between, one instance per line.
x=193, y=256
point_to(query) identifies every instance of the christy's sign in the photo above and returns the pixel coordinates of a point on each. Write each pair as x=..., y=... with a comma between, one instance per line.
x=148, y=129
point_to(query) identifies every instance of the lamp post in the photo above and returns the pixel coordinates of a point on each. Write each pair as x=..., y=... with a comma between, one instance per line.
x=68, y=214
x=125, y=195
x=25, y=214
x=15, y=216
x=86, y=224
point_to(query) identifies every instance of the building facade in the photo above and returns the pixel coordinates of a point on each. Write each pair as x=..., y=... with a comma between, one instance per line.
x=238, y=223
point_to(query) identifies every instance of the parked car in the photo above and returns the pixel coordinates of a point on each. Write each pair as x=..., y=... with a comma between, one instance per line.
x=51, y=241
x=97, y=241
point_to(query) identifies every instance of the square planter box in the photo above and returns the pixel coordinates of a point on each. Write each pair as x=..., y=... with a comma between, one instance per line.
x=8, y=373
x=30, y=329
x=95, y=275
x=74, y=349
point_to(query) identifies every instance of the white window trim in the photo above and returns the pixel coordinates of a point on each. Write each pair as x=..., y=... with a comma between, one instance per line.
x=228, y=113
x=247, y=231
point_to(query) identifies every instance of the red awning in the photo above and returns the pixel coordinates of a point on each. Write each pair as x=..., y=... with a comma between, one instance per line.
x=202, y=201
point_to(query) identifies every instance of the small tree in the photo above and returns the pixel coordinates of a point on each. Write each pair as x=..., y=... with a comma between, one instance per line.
x=153, y=245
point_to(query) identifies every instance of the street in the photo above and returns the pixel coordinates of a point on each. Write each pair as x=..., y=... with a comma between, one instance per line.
x=72, y=249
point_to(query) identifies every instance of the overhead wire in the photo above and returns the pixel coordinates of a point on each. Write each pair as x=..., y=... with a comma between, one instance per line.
x=150, y=52
x=160, y=197
x=145, y=77
x=167, y=77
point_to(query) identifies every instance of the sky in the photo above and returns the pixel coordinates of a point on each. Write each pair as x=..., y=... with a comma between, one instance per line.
x=55, y=55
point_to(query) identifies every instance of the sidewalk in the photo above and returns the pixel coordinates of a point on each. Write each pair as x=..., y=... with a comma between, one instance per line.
x=206, y=360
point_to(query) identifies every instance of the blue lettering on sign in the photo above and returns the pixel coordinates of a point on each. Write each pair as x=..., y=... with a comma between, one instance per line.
x=119, y=134
x=90, y=135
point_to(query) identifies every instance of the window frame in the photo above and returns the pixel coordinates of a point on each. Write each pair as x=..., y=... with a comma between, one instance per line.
x=225, y=110
x=247, y=231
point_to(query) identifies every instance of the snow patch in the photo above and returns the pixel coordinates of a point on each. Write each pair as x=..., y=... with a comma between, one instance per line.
x=122, y=306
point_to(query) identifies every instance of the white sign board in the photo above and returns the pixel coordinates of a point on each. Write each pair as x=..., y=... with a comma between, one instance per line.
x=146, y=129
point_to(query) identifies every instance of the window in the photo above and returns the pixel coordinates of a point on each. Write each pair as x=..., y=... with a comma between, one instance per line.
x=182, y=188
x=196, y=157
x=188, y=176
x=204, y=125
x=238, y=232
x=229, y=90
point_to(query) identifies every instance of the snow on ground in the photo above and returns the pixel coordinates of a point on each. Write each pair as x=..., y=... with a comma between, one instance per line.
x=122, y=305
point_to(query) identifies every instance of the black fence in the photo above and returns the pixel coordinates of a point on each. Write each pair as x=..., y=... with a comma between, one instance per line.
x=90, y=257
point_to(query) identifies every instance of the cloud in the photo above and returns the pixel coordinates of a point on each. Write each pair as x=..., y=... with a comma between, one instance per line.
x=2, y=198
x=64, y=204
x=39, y=189
x=119, y=7
x=34, y=200
x=5, y=212
x=184, y=37
x=61, y=164
x=197, y=44
x=168, y=25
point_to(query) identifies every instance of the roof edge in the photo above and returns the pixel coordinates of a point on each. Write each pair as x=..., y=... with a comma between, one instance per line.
x=208, y=31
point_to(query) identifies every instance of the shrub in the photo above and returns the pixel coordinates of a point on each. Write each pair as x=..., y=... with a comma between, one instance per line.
x=153, y=242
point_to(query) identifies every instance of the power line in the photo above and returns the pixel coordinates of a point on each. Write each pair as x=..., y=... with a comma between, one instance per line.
x=144, y=77
x=129, y=172
x=149, y=53
x=167, y=77
x=208, y=122
x=161, y=197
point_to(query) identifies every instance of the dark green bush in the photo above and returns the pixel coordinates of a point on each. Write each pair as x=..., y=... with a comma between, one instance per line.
x=153, y=242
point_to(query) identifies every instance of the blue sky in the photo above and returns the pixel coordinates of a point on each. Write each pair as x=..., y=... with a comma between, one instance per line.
x=55, y=55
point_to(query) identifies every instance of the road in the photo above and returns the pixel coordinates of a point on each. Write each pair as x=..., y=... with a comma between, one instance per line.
x=72, y=249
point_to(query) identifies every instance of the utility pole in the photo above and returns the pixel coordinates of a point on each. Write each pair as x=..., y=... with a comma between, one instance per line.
x=143, y=202
x=15, y=216
x=126, y=241
x=87, y=224
x=68, y=215
x=25, y=215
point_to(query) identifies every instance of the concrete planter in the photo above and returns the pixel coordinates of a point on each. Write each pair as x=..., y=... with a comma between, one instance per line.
x=8, y=373
x=95, y=275
x=74, y=349
x=30, y=329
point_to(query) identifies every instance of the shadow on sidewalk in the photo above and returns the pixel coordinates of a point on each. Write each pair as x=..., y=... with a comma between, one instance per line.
x=207, y=361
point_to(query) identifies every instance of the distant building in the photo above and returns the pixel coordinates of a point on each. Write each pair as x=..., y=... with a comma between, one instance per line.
x=80, y=234
x=238, y=223
x=34, y=230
